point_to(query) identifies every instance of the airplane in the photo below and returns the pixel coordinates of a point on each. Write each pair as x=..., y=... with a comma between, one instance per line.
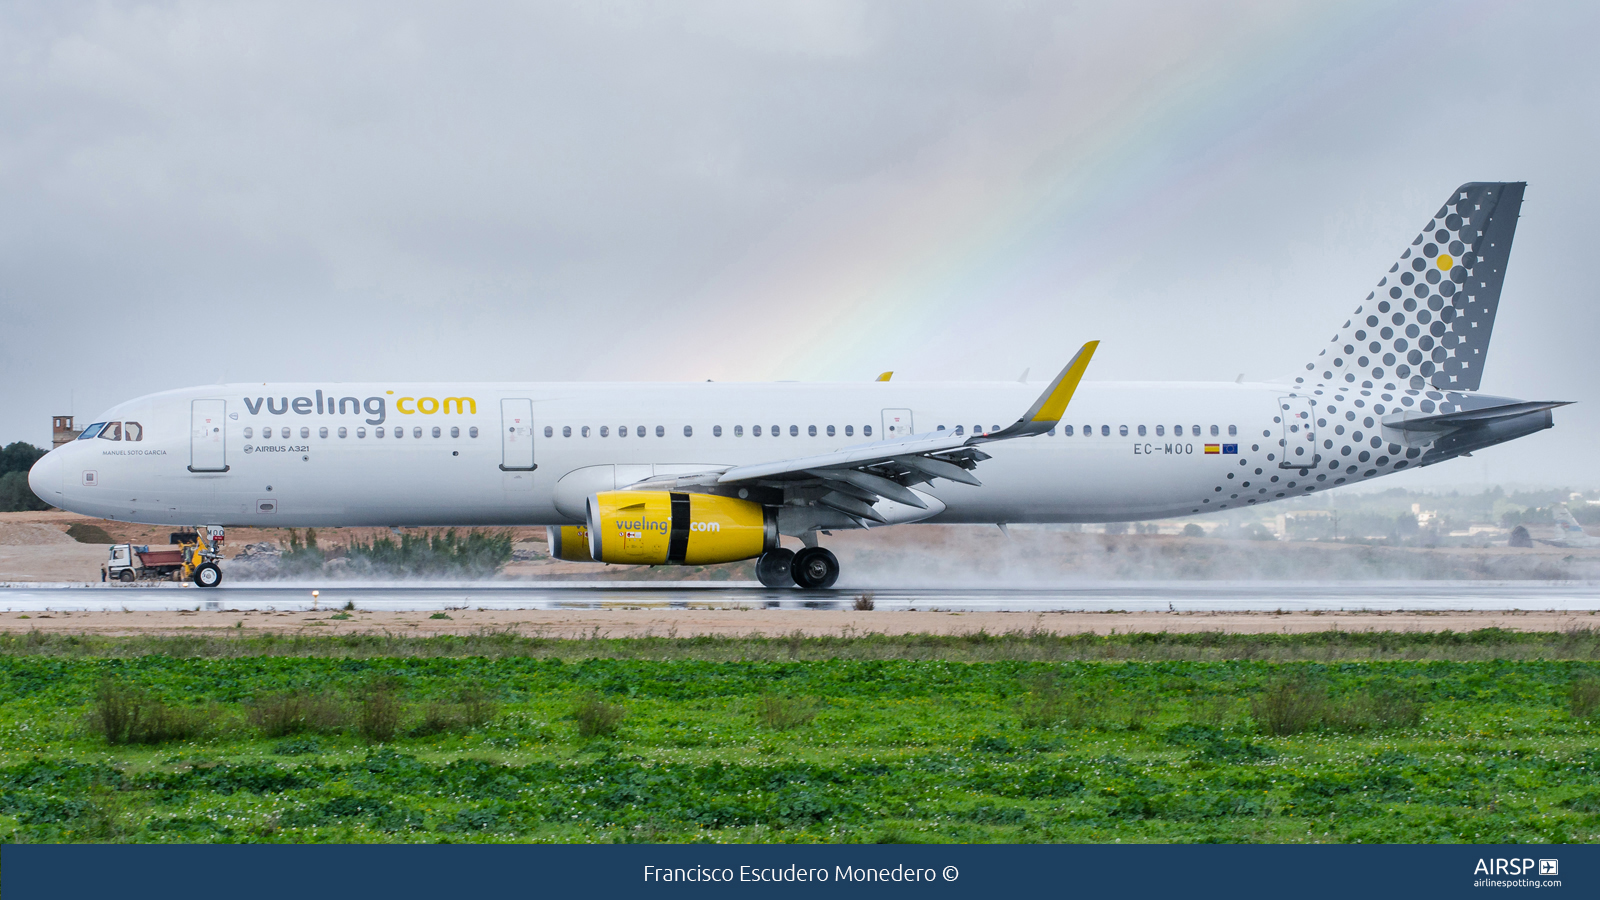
x=705, y=473
x=1571, y=534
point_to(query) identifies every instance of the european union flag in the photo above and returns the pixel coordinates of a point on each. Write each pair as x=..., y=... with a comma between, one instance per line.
x=1230, y=448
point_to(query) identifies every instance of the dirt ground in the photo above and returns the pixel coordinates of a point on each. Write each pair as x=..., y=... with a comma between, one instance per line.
x=625, y=623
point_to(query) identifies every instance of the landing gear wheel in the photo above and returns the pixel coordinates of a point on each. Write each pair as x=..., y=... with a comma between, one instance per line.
x=774, y=568
x=208, y=575
x=815, y=568
x=126, y=575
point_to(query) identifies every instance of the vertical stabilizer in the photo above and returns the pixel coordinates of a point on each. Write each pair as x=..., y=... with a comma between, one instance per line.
x=1428, y=323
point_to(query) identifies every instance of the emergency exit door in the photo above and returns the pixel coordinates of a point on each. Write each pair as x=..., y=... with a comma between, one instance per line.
x=896, y=424
x=208, y=446
x=516, y=435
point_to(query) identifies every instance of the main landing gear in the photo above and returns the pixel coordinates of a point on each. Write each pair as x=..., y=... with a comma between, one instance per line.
x=813, y=568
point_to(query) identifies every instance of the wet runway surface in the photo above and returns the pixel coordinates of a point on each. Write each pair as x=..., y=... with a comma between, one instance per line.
x=1183, y=596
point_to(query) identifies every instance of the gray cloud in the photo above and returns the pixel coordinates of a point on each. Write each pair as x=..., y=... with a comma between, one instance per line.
x=197, y=192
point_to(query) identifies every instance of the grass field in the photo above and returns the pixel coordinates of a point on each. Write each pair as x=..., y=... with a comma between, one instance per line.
x=1481, y=737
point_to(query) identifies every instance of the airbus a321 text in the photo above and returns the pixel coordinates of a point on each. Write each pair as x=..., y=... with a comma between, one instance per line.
x=703, y=473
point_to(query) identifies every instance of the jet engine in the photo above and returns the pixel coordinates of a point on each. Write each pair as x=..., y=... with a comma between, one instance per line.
x=569, y=542
x=650, y=528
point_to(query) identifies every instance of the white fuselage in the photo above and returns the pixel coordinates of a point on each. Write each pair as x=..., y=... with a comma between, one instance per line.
x=1135, y=451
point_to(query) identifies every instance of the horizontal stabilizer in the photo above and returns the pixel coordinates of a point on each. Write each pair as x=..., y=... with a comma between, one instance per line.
x=1468, y=418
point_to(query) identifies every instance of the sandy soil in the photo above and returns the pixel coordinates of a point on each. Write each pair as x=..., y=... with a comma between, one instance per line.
x=622, y=623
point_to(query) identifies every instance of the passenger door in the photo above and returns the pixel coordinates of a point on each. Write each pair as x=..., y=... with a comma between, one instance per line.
x=208, y=450
x=516, y=442
x=896, y=424
x=1297, y=418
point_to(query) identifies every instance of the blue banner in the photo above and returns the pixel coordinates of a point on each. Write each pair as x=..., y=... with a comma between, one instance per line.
x=396, y=872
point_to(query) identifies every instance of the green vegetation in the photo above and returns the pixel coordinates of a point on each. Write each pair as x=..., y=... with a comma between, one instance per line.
x=1484, y=737
x=428, y=554
x=88, y=533
x=16, y=459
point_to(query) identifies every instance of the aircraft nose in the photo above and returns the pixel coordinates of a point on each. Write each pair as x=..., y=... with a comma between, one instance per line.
x=45, y=478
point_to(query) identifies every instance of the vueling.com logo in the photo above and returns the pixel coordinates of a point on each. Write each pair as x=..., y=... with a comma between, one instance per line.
x=376, y=407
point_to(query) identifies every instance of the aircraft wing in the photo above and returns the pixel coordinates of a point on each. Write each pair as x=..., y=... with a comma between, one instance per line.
x=853, y=479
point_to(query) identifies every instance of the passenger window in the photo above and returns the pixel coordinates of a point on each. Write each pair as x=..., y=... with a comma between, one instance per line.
x=866, y=431
x=1088, y=431
x=247, y=432
x=830, y=431
x=436, y=432
x=455, y=431
x=585, y=431
x=112, y=432
x=473, y=431
x=343, y=432
x=605, y=431
x=688, y=431
x=1141, y=431
x=132, y=431
x=777, y=430
x=1122, y=430
x=994, y=427
x=1195, y=430
x=304, y=432
x=716, y=431
x=400, y=431
x=640, y=431
x=1215, y=431
x=977, y=429
x=794, y=431
x=811, y=430
x=549, y=432
x=377, y=432
x=1052, y=432
x=1161, y=430
x=1233, y=430
x=962, y=429
x=566, y=431
x=755, y=430
x=362, y=432
x=661, y=431
x=1105, y=431
x=1066, y=430
x=738, y=431
x=849, y=430
x=322, y=432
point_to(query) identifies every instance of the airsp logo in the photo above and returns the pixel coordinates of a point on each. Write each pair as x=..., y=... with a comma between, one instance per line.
x=1549, y=867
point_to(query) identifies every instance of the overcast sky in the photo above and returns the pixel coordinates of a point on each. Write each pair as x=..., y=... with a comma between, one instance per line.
x=199, y=192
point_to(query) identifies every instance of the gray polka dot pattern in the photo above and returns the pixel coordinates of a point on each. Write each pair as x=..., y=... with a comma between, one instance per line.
x=1413, y=345
x=1428, y=322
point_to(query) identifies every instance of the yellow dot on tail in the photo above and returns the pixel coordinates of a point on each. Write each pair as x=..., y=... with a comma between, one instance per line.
x=1445, y=262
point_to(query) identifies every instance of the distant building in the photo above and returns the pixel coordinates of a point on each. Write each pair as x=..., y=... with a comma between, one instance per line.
x=63, y=432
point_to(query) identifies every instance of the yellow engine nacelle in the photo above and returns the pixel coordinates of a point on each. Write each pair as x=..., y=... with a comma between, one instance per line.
x=569, y=542
x=652, y=528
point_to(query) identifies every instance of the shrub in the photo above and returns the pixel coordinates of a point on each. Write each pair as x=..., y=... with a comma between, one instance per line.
x=1289, y=707
x=864, y=602
x=595, y=717
x=1583, y=698
x=1213, y=710
x=127, y=715
x=1045, y=705
x=380, y=711
x=87, y=533
x=784, y=713
x=280, y=715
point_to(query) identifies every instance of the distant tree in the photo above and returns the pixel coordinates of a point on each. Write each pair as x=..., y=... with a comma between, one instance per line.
x=19, y=457
x=1193, y=530
x=16, y=496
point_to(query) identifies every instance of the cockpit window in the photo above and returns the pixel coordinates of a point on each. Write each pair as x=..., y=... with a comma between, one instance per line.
x=112, y=432
x=91, y=431
x=132, y=431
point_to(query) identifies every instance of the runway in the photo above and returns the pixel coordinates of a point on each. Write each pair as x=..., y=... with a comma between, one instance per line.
x=1162, y=596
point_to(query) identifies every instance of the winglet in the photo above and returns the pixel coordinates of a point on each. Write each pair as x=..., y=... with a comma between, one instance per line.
x=885, y=376
x=1047, y=410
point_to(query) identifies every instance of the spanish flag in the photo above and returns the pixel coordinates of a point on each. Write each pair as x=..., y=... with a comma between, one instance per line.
x=1213, y=448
